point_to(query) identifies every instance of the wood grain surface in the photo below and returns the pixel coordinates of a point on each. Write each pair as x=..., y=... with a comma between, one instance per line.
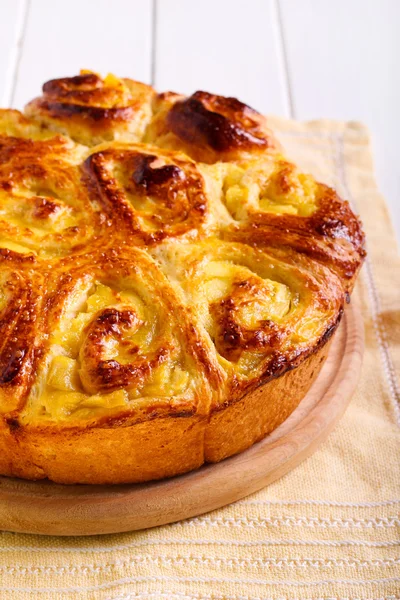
x=48, y=508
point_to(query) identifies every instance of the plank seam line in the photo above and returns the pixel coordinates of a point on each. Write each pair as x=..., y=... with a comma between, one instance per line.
x=283, y=57
x=19, y=49
x=154, y=42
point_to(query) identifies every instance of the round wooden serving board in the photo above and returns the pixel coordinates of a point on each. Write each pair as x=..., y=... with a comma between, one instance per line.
x=48, y=508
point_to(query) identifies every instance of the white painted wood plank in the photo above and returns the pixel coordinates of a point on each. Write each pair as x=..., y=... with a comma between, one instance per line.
x=344, y=63
x=229, y=47
x=11, y=21
x=63, y=37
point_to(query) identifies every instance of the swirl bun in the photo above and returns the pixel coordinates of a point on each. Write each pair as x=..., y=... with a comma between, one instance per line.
x=275, y=205
x=44, y=208
x=169, y=281
x=261, y=313
x=209, y=128
x=91, y=110
x=151, y=193
x=19, y=316
x=113, y=343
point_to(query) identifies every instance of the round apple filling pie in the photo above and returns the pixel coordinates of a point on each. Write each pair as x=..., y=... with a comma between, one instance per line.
x=169, y=281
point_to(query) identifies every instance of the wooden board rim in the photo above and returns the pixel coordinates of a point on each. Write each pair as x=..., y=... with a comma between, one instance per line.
x=47, y=508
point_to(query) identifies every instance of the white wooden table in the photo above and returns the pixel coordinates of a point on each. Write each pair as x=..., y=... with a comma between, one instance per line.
x=300, y=58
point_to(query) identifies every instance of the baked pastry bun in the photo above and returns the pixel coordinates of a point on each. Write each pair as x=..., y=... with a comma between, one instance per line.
x=91, y=110
x=169, y=281
x=277, y=206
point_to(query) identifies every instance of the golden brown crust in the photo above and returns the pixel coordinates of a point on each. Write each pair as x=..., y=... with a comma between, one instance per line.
x=209, y=128
x=231, y=287
x=242, y=423
x=44, y=208
x=153, y=449
x=286, y=209
x=90, y=109
x=168, y=284
x=20, y=351
x=175, y=445
x=151, y=194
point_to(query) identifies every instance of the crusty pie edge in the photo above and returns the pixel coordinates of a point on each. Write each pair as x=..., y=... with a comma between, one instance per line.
x=164, y=445
x=176, y=445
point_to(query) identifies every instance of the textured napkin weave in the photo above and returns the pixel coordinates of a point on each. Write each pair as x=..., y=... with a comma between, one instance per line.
x=330, y=529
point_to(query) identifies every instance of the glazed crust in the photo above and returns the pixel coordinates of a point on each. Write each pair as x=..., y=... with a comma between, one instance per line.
x=176, y=445
x=169, y=281
x=92, y=110
x=240, y=424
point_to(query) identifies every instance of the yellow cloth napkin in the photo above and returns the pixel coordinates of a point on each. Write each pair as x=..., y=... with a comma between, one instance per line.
x=327, y=530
